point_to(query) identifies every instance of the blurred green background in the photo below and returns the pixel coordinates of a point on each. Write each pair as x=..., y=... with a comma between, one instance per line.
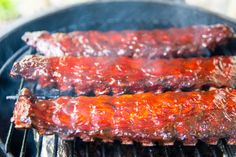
x=8, y=9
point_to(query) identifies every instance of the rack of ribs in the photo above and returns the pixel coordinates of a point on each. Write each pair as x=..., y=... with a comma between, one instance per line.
x=145, y=118
x=158, y=43
x=119, y=75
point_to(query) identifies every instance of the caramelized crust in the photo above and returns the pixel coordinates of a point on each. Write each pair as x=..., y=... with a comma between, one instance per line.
x=168, y=43
x=146, y=118
x=119, y=75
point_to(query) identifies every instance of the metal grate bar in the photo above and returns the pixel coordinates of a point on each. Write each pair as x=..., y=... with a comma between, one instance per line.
x=150, y=151
x=181, y=152
x=11, y=128
x=166, y=151
x=23, y=145
x=117, y=152
x=72, y=148
x=8, y=140
x=14, y=97
x=87, y=149
x=221, y=144
x=197, y=153
x=228, y=150
x=2, y=152
x=134, y=151
x=103, y=150
x=55, y=148
x=39, y=146
x=20, y=87
x=213, y=151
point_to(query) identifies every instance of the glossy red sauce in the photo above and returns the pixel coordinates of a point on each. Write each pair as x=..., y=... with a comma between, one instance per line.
x=167, y=43
x=146, y=118
x=120, y=75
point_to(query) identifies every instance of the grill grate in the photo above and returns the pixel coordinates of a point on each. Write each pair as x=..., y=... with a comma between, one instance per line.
x=39, y=146
x=79, y=148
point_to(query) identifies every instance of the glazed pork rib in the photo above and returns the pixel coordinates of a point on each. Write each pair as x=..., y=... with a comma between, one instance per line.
x=145, y=118
x=106, y=75
x=167, y=43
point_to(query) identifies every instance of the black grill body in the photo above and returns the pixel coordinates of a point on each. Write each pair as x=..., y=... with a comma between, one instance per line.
x=104, y=17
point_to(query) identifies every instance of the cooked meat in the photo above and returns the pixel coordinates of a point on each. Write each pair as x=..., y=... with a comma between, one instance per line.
x=104, y=75
x=168, y=43
x=145, y=118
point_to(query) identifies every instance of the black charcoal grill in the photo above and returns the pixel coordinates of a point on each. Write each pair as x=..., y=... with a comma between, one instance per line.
x=99, y=16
